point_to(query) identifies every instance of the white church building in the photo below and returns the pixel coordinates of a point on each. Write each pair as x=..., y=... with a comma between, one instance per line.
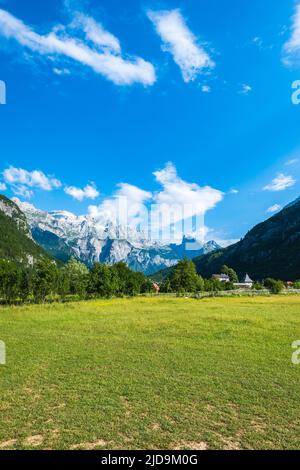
x=246, y=283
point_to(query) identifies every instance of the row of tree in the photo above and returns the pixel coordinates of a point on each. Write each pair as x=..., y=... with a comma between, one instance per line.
x=184, y=278
x=47, y=281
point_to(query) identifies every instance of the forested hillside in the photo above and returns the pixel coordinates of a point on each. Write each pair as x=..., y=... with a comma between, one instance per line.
x=271, y=249
x=16, y=243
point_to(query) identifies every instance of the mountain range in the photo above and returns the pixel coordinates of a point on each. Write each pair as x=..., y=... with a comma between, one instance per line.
x=63, y=235
x=270, y=249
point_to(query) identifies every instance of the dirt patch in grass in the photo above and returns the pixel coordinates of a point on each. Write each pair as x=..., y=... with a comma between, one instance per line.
x=191, y=446
x=258, y=425
x=7, y=444
x=54, y=433
x=89, y=445
x=231, y=445
x=34, y=440
x=59, y=406
x=155, y=427
x=210, y=408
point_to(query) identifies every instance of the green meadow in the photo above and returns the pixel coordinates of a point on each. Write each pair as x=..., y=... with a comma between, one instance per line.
x=151, y=373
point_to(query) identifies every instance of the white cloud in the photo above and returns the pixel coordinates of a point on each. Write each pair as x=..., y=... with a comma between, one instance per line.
x=280, y=183
x=103, y=56
x=292, y=46
x=96, y=33
x=176, y=201
x=234, y=191
x=178, y=40
x=274, y=208
x=3, y=187
x=180, y=201
x=246, y=89
x=133, y=194
x=58, y=71
x=292, y=161
x=34, y=179
x=89, y=192
x=21, y=190
x=177, y=191
x=22, y=182
x=126, y=206
x=205, y=89
x=258, y=42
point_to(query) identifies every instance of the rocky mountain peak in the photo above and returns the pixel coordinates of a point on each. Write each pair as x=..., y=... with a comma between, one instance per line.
x=63, y=234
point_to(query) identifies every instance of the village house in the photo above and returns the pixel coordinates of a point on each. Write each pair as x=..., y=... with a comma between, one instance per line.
x=246, y=283
x=221, y=277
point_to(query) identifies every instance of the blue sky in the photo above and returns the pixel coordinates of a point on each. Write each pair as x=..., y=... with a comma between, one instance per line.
x=203, y=84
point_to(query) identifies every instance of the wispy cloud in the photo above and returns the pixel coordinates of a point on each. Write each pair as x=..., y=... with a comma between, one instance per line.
x=96, y=33
x=258, y=41
x=58, y=71
x=99, y=50
x=292, y=161
x=274, y=208
x=3, y=187
x=206, y=89
x=22, y=182
x=245, y=89
x=179, y=41
x=22, y=190
x=88, y=192
x=292, y=46
x=280, y=183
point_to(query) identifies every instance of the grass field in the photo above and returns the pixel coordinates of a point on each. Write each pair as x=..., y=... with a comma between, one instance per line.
x=151, y=373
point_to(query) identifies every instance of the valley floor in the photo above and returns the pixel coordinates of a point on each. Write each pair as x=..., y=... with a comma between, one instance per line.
x=162, y=373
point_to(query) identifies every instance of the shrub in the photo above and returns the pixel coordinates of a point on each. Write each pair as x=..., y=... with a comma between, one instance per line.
x=275, y=287
x=257, y=286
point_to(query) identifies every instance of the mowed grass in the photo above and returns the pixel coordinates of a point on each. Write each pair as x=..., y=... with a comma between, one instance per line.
x=151, y=373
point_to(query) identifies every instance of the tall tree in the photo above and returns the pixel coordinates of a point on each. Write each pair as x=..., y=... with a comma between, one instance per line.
x=9, y=281
x=25, y=283
x=233, y=277
x=77, y=276
x=184, y=277
x=129, y=282
x=44, y=280
x=103, y=281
